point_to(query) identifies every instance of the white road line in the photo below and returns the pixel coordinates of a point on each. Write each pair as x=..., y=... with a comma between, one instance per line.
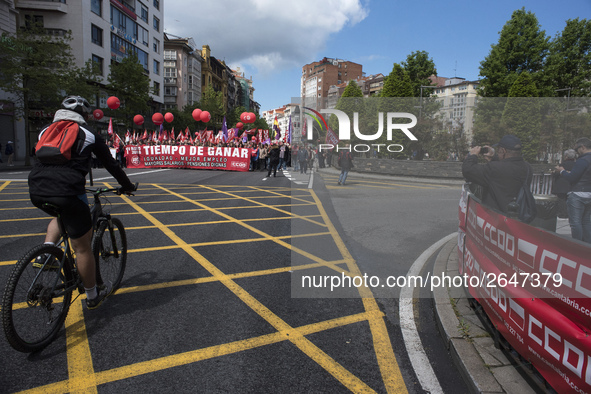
x=412, y=341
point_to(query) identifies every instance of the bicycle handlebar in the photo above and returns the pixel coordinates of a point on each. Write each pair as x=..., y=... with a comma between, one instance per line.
x=116, y=190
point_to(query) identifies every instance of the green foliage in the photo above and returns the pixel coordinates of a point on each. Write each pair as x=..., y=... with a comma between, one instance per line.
x=129, y=83
x=213, y=102
x=398, y=83
x=522, y=46
x=83, y=81
x=419, y=67
x=522, y=117
x=569, y=61
x=351, y=103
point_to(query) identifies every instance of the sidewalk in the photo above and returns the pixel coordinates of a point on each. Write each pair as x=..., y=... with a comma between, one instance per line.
x=19, y=165
x=485, y=368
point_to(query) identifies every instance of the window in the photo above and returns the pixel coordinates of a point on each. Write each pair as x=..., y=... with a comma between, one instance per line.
x=144, y=35
x=170, y=90
x=169, y=72
x=156, y=89
x=157, y=4
x=156, y=46
x=96, y=6
x=144, y=13
x=97, y=35
x=169, y=55
x=33, y=21
x=99, y=62
x=156, y=24
x=156, y=67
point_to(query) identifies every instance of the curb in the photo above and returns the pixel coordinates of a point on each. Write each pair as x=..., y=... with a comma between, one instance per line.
x=485, y=369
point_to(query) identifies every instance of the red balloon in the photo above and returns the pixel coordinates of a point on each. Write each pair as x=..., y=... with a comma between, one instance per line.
x=113, y=102
x=254, y=138
x=242, y=115
x=197, y=114
x=239, y=125
x=252, y=117
x=205, y=116
x=169, y=117
x=98, y=114
x=158, y=118
x=138, y=120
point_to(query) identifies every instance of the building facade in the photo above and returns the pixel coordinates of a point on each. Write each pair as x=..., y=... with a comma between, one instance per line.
x=318, y=77
x=458, y=98
x=182, y=72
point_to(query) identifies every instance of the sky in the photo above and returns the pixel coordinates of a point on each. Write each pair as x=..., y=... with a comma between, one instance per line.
x=271, y=40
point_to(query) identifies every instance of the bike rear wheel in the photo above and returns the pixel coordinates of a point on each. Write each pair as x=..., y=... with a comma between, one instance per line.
x=110, y=252
x=34, y=305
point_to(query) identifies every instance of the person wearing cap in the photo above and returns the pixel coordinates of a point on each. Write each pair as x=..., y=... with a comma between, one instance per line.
x=578, y=200
x=502, y=176
x=9, y=153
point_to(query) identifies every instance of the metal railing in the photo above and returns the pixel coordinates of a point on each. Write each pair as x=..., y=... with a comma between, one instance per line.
x=541, y=184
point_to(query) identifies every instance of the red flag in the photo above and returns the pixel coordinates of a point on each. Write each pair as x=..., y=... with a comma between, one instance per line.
x=127, y=137
x=145, y=136
x=187, y=132
x=110, y=129
x=172, y=134
x=191, y=141
x=231, y=134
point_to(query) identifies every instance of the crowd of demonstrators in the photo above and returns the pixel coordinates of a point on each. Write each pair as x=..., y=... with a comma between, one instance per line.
x=560, y=186
x=578, y=200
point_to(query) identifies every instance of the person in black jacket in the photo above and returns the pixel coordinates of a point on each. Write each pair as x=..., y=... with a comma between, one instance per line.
x=63, y=185
x=578, y=201
x=273, y=159
x=560, y=186
x=501, y=179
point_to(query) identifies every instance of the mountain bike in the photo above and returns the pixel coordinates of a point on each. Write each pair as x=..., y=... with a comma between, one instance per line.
x=40, y=288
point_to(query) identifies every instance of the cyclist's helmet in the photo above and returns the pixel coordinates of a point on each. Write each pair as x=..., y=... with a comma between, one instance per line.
x=77, y=104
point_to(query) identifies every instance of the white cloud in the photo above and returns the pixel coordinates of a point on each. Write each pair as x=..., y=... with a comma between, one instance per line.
x=264, y=36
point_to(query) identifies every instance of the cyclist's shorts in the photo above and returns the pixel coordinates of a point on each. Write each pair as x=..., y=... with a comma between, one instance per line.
x=75, y=212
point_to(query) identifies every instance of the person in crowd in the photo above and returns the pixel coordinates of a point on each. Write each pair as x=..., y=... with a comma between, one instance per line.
x=346, y=163
x=263, y=157
x=303, y=159
x=273, y=159
x=560, y=186
x=254, y=156
x=9, y=152
x=321, y=156
x=502, y=176
x=282, y=155
x=578, y=201
x=287, y=162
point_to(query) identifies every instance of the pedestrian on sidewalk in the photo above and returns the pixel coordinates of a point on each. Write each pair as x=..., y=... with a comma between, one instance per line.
x=9, y=153
x=346, y=163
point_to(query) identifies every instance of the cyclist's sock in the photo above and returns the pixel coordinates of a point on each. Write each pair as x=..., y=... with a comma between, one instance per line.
x=50, y=243
x=91, y=293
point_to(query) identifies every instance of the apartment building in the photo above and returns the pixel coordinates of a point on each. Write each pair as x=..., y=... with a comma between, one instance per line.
x=458, y=98
x=318, y=77
x=182, y=72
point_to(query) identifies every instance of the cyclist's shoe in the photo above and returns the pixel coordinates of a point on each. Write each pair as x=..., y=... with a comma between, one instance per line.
x=105, y=286
x=103, y=293
x=47, y=262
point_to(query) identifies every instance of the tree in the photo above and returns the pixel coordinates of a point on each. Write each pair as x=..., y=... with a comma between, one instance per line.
x=569, y=60
x=129, y=83
x=522, y=46
x=33, y=69
x=398, y=83
x=420, y=67
x=350, y=102
x=213, y=102
x=522, y=117
x=83, y=81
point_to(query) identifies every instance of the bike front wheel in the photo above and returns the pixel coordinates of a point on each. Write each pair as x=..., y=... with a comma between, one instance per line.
x=36, y=300
x=110, y=252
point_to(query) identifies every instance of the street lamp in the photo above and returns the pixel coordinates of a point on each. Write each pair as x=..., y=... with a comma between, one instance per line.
x=421, y=100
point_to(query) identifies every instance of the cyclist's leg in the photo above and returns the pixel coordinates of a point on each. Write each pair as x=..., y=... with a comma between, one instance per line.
x=85, y=259
x=53, y=232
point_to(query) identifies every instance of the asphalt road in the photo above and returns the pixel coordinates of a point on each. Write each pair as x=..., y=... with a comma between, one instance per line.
x=212, y=299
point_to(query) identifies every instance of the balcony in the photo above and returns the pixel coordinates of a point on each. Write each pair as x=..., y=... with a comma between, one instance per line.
x=169, y=81
x=43, y=5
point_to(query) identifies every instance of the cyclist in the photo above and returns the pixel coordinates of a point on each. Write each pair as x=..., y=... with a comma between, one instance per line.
x=63, y=185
